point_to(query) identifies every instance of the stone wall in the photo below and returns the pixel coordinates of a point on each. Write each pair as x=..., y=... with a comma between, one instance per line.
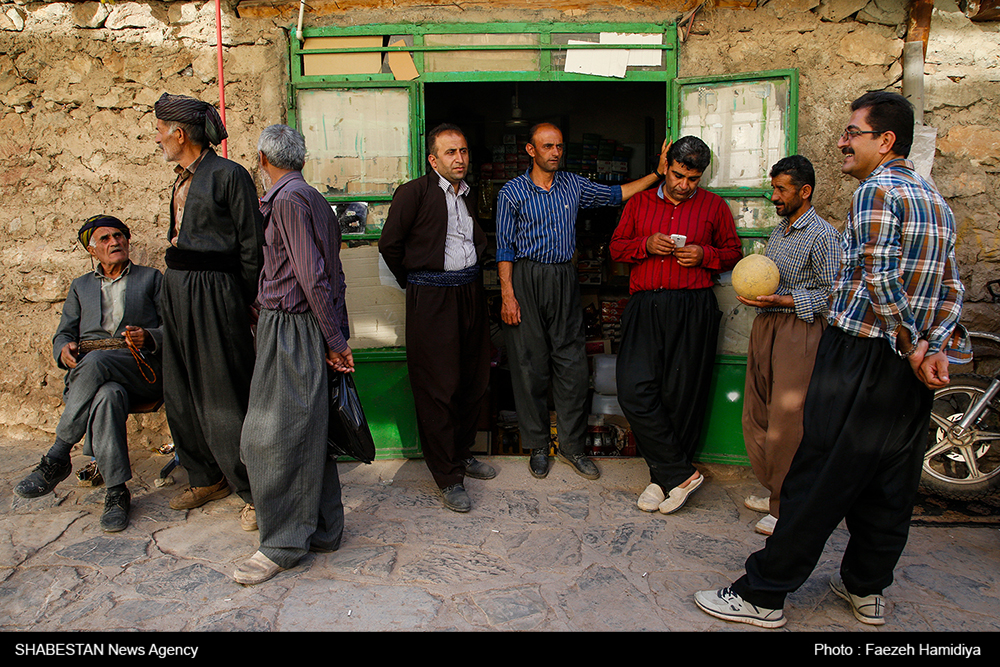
x=77, y=87
x=78, y=81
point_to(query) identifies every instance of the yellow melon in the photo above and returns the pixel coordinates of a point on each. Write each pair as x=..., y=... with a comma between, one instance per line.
x=755, y=275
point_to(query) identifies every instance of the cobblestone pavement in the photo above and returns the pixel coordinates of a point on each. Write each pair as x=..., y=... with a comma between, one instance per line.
x=559, y=554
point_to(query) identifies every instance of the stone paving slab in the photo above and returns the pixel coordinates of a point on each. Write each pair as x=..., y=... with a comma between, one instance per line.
x=561, y=554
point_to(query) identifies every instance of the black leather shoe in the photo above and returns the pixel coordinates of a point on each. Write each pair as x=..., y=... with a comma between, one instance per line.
x=538, y=463
x=583, y=466
x=116, y=508
x=477, y=469
x=44, y=478
x=456, y=499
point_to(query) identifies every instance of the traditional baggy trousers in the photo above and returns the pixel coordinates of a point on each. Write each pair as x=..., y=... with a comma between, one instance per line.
x=664, y=372
x=208, y=358
x=296, y=487
x=99, y=392
x=780, y=361
x=547, y=345
x=448, y=360
x=864, y=431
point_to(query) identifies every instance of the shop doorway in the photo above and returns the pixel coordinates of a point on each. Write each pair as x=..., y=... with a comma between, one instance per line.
x=631, y=114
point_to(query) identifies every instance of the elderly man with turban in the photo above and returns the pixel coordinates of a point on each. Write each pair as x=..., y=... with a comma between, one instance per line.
x=118, y=302
x=213, y=262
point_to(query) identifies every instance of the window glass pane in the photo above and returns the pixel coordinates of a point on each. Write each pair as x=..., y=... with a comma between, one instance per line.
x=358, y=140
x=358, y=217
x=745, y=125
x=753, y=213
x=481, y=61
x=376, y=304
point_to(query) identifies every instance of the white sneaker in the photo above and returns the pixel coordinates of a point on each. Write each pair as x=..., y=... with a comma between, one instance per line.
x=869, y=609
x=766, y=525
x=724, y=603
x=651, y=498
x=758, y=504
x=679, y=495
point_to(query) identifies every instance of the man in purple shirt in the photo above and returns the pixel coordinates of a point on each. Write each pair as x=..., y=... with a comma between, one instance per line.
x=302, y=331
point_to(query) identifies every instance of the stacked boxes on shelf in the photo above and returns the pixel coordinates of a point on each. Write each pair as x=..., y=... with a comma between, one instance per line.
x=588, y=158
x=573, y=160
x=509, y=160
x=611, y=318
x=590, y=271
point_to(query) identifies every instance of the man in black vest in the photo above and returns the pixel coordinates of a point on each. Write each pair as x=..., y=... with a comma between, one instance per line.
x=433, y=246
x=213, y=262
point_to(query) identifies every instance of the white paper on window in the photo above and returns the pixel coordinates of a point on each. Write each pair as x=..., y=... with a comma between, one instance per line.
x=744, y=123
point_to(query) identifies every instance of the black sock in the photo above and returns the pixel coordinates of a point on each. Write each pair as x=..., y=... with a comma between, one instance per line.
x=60, y=451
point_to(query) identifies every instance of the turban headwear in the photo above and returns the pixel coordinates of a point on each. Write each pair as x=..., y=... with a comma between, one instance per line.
x=183, y=109
x=97, y=221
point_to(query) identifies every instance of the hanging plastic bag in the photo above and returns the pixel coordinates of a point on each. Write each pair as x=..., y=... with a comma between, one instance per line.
x=349, y=434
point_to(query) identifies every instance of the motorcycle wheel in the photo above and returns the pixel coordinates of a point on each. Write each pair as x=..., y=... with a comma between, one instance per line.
x=962, y=466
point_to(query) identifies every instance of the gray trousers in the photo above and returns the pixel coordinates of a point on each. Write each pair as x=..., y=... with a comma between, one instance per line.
x=295, y=484
x=98, y=395
x=208, y=359
x=547, y=345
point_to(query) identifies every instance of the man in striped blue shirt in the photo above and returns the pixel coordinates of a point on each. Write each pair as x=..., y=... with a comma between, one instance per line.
x=541, y=308
x=894, y=314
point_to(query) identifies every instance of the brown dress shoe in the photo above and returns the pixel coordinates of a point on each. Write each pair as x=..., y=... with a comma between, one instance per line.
x=196, y=496
x=248, y=518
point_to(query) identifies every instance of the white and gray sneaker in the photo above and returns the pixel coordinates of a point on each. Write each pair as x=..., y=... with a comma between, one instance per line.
x=869, y=609
x=766, y=525
x=724, y=603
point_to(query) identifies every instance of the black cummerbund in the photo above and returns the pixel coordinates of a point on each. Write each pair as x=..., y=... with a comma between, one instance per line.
x=192, y=260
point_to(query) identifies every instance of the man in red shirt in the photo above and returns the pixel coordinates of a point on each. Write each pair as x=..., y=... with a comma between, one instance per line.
x=677, y=237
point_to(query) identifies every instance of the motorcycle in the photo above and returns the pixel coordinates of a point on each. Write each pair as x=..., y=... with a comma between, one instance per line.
x=962, y=460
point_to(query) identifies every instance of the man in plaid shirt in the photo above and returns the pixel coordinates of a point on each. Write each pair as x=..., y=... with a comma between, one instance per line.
x=893, y=320
x=786, y=331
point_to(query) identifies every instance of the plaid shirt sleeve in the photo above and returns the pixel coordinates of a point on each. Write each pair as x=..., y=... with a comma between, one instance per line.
x=879, y=226
x=946, y=333
x=824, y=259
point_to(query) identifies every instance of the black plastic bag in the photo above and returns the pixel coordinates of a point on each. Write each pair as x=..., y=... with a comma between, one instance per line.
x=349, y=434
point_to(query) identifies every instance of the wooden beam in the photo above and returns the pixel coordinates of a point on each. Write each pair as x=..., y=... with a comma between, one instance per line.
x=982, y=10
x=919, y=26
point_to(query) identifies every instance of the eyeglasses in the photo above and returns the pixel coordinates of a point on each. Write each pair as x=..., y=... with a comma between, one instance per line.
x=854, y=134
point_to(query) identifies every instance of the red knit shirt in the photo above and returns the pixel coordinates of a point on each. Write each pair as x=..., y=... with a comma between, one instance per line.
x=704, y=218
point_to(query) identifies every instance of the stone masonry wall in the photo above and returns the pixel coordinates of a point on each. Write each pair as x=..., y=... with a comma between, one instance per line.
x=77, y=87
x=78, y=81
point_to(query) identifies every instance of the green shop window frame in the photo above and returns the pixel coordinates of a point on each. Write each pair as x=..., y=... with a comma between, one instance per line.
x=548, y=44
x=546, y=41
